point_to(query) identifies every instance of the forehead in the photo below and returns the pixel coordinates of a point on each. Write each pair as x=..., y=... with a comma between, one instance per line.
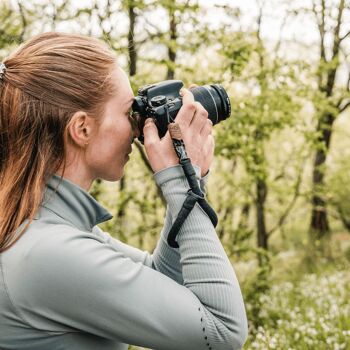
x=123, y=89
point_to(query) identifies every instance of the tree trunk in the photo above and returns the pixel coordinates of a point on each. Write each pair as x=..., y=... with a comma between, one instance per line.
x=132, y=71
x=131, y=47
x=171, y=49
x=121, y=211
x=319, y=226
x=261, y=193
x=243, y=221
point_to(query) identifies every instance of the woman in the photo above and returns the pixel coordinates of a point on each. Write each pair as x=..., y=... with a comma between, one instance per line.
x=64, y=283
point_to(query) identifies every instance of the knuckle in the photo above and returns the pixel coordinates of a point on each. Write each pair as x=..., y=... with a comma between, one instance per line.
x=147, y=126
x=208, y=128
x=201, y=110
x=204, y=113
x=212, y=140
x=150, y=144
x=191, y=106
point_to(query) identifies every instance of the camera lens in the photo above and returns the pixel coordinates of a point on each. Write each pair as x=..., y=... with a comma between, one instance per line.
x=162, y=102
x=215, y=100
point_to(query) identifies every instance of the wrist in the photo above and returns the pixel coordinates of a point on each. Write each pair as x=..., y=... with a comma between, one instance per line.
x=173, y=172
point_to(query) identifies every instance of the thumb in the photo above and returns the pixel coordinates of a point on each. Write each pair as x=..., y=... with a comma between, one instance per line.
x=150, y=132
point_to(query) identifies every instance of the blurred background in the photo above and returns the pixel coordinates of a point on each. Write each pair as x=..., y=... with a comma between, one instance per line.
x=280, y=181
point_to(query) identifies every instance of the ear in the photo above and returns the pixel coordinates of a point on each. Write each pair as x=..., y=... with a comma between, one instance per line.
x=80, y=128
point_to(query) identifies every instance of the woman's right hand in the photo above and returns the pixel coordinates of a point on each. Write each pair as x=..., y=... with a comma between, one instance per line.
x=196, y=131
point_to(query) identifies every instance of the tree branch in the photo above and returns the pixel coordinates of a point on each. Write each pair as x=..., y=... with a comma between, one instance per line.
x=285, y=214
x=24, y=21
x=279, y=42
x=344, y=107
x=344, y=36
x=343, y=219
x=148, y=166
x=143, y=155
x=336, y=40
x=320, y=20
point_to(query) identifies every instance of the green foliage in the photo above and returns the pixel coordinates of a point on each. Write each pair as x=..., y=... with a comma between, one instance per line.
x=10, y=27
x=339, y=193
x=276, y=106
x=312, y=313
x=257, y=286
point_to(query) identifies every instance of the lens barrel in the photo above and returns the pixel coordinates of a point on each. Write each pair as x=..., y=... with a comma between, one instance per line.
x=215, y=100
x=152, y=99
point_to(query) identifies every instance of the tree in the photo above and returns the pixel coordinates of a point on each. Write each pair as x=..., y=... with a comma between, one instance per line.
x=13, y=24
x=331, y=100
x=258, y=117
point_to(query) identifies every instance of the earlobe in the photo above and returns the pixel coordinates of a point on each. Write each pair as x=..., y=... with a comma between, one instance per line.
x=79, y=129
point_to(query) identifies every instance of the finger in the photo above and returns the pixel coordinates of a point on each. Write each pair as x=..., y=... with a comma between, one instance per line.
x=192, y=86
x=199, y=119
x=207, y=128
x=212, y=141
x=150, y=133
x=188, y=109
x=209, y=146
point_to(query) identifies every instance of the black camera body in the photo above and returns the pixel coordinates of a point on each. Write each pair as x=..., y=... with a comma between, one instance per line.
x=162, y=101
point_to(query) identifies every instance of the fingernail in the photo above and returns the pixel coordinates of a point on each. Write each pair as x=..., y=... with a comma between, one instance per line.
x=148, y=120
x=181, y=92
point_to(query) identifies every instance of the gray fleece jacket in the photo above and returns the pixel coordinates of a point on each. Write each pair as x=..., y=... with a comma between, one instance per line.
x=67, y=285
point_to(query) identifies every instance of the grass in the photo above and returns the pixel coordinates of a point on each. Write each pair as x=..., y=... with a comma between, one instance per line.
x=306, y=304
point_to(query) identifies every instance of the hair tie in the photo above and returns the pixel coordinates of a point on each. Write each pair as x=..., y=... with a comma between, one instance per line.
x=2, y=71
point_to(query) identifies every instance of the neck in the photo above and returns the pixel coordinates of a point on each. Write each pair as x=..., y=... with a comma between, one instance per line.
x=77, y=173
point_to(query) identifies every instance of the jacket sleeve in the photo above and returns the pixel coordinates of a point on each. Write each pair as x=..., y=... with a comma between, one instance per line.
x=81, y=283
x=164, y=258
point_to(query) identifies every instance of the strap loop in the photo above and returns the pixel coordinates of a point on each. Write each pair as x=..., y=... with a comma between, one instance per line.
x=194, y=194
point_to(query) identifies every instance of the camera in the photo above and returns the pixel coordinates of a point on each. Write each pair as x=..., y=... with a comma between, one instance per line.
x=162, y=101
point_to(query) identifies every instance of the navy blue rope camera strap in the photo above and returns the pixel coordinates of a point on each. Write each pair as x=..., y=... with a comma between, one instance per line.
x=194, y=194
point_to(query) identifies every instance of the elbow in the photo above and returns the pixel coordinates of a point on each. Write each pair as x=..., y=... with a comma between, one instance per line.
x=237, y=332
x=231, y=336
x=237, y=326
x=239, y=335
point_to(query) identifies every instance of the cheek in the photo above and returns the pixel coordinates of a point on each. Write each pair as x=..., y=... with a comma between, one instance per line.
x=106, y=146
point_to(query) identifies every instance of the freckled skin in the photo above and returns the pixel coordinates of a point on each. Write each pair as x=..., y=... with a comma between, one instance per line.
x=104, y=153
x=107, y=152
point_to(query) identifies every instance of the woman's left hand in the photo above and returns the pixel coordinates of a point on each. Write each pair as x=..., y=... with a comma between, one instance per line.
x=208, y=147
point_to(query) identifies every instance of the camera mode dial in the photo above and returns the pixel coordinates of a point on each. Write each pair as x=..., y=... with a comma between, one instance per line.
x=157, y=101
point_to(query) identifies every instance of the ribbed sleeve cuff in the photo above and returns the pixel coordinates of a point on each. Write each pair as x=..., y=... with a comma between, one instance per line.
x=173, y=172
x=204, y=181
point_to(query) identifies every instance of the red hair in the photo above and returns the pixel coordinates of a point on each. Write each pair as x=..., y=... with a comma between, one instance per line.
x=47, y=80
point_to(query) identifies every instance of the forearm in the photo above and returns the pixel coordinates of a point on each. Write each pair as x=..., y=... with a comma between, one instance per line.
x=206, y=269
x=167, y=259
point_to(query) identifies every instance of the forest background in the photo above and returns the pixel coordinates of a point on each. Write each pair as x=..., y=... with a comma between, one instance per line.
x=280, y=178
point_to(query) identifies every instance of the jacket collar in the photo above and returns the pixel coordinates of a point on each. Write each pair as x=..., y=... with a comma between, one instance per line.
x=74, y=204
